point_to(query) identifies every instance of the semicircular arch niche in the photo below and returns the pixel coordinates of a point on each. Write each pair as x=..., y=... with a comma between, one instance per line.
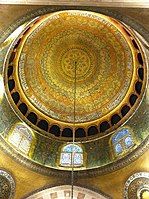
x=64, y=192
x=7, y=185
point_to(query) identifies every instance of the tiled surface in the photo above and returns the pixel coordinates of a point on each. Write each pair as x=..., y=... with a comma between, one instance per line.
x=109, y=3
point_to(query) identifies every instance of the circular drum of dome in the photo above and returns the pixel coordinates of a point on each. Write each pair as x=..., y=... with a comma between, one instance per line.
x=75, y=69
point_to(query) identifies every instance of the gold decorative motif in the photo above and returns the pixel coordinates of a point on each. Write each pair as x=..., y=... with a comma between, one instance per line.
x=76, y=57
x=137, y=186
x=7, y=185
x=51, y=49
x=106, y=64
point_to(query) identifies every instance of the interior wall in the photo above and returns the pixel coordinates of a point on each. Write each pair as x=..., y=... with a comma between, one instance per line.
x=112, y=184
x=10, y=13
x=108, y=3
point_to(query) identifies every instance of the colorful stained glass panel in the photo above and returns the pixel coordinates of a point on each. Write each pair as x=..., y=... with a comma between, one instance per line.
x=118, y=148
x=25, y=145
x=65, y=159
x=72, y=148
x=78, y=159
x=15, y=138
x=119, y=135
x=128, y=142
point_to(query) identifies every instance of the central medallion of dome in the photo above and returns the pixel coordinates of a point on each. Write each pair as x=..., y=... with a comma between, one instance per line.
x=75, y=60
x=78, y=56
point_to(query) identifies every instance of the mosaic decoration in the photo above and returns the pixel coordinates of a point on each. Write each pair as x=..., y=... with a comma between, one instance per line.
x=7, y=185
x=46, y=151
x=98, y=151
x=87, y=49
x=50, y=97
x=7, y=116
x=137, y=186
x=71, y=155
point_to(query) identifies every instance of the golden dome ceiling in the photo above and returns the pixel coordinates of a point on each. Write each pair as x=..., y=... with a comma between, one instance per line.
x=74, y=74
x=75, y=69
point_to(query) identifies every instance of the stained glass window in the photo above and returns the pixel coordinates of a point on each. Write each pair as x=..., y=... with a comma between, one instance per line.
x=122, y=141
x=71, y=154
x=21, y=138
x=118, y=148
x=128, y=142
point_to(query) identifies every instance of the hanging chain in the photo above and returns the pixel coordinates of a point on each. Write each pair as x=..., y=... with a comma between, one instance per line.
x=74, y=119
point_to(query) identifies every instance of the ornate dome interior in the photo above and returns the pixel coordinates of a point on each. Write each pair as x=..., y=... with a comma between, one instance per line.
x=74, y=97
x=75, y=69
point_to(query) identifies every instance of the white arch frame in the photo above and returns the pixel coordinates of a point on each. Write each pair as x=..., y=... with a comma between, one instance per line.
x=64, y=192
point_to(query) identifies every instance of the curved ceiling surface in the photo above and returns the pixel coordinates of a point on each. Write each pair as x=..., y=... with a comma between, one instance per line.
x=63, y=43
x=76, y=69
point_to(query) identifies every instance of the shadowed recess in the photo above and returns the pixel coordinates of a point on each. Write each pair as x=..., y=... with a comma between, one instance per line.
x=67, y=132
x=141, y=73
x=16, y=97
x=32, y=117
x=10, y=71
x=80, y=132
x=138, y=87
x=54, y=129
x=11, y=84
x=132, y=99
x=125, y=110
x=140, y=58
x=104, y=126
x=23, y=108
x=115, y=119
x=43, y=124
x=92, y=130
